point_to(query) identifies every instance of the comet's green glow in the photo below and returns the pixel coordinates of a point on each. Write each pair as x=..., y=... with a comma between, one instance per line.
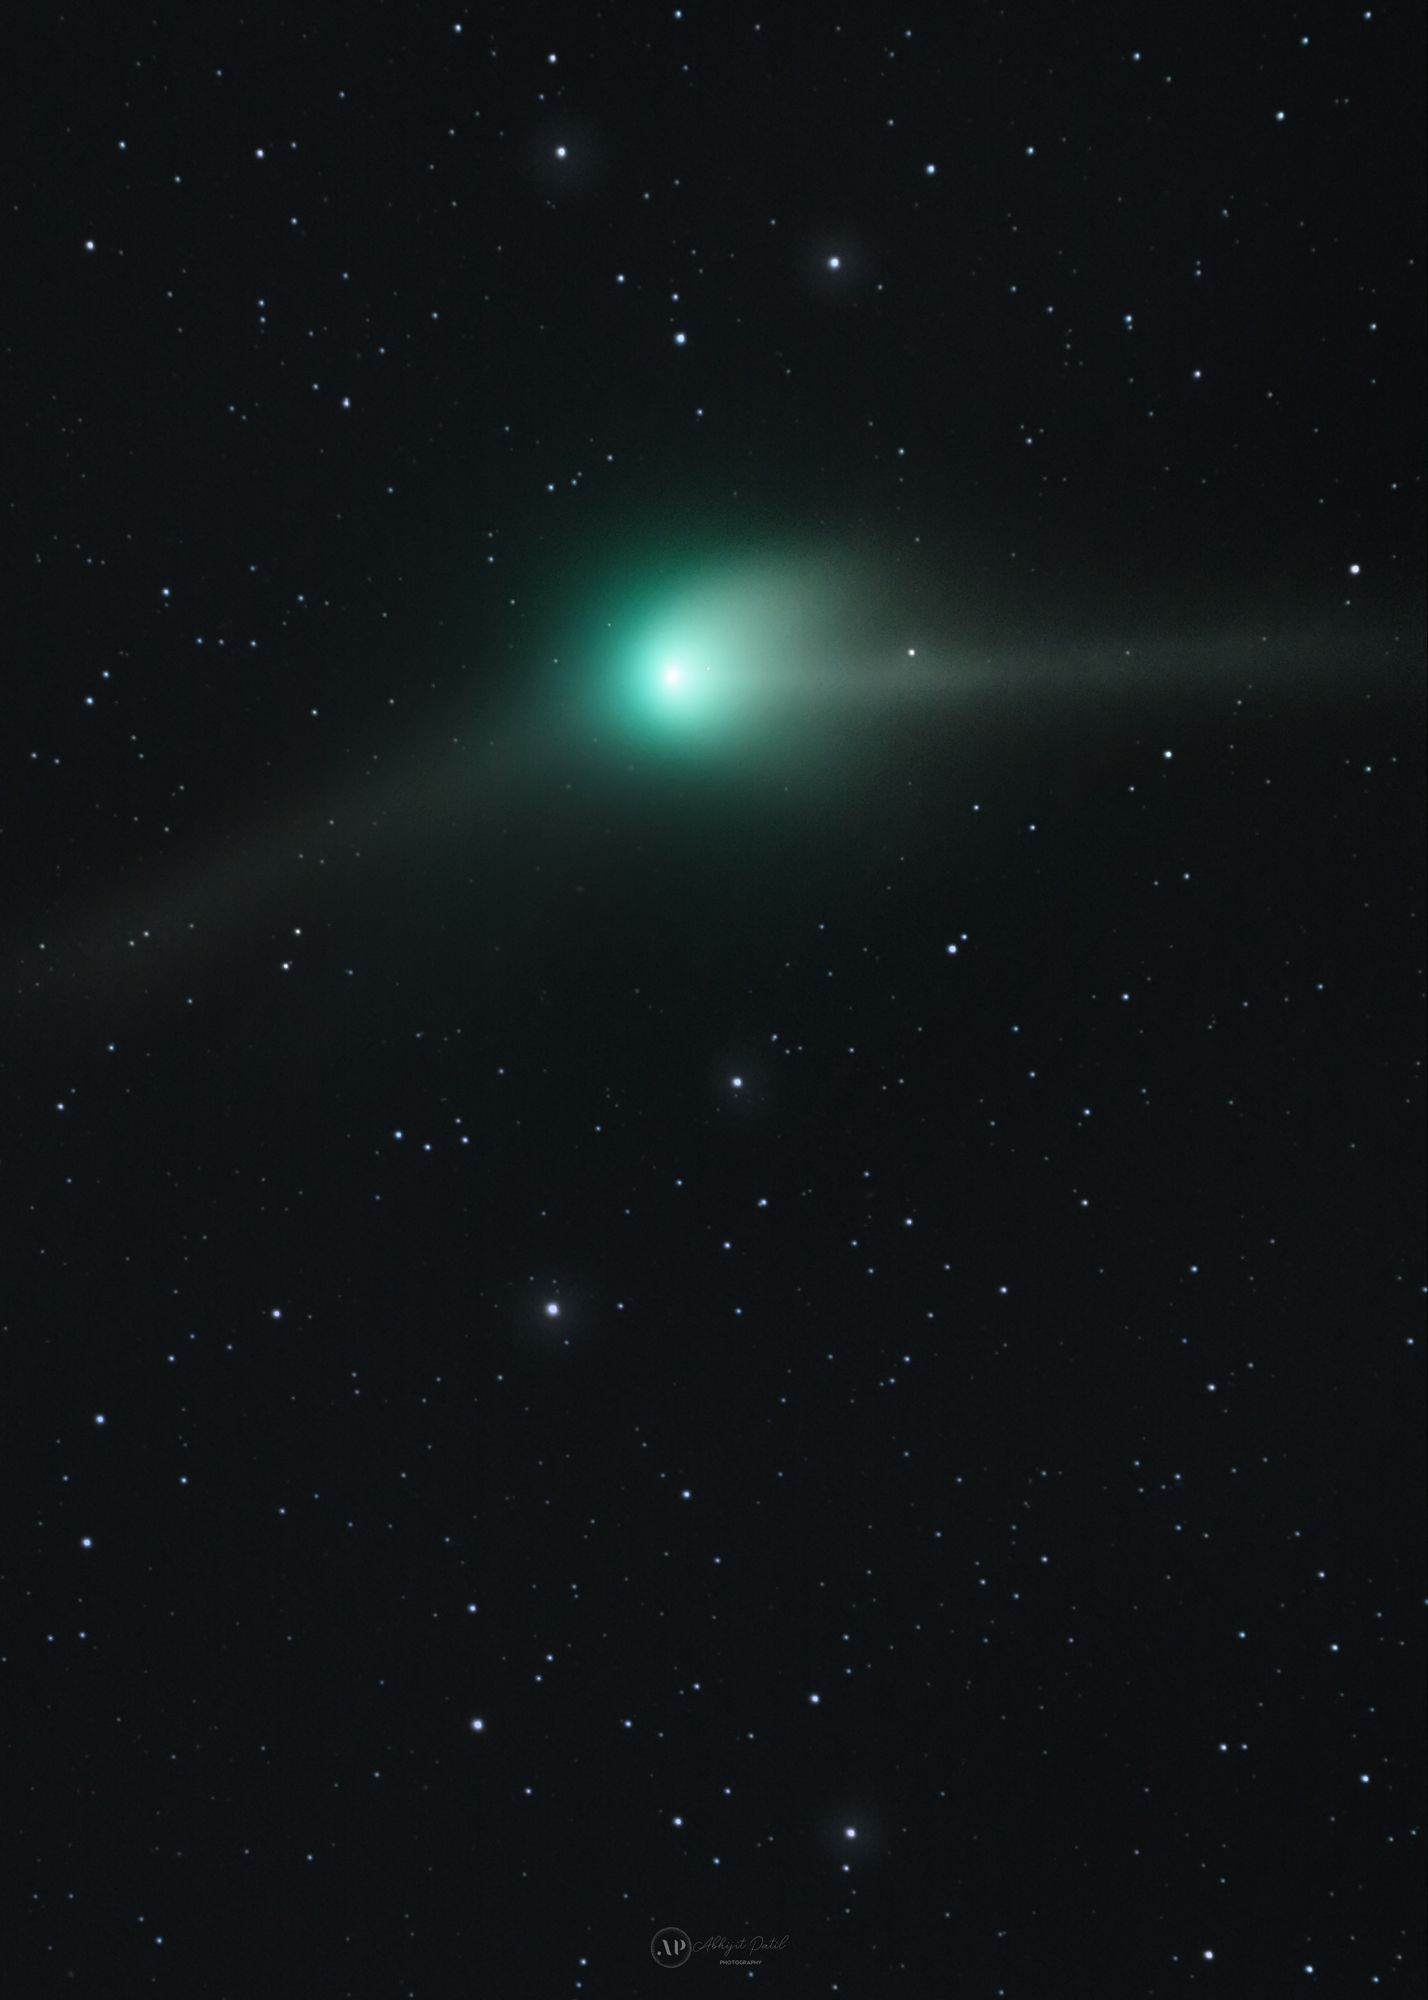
x=687, y=666
x=746, y=653
x=823, y=656
x=837, y=672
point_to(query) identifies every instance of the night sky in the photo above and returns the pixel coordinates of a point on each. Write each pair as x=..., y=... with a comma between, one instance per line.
x=712, y=1035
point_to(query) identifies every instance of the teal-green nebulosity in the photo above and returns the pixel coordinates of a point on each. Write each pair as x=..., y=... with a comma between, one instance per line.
x=693, y=667
x=747, y=654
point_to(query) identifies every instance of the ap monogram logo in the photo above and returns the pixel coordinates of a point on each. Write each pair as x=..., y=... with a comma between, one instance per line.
x=671, y=1946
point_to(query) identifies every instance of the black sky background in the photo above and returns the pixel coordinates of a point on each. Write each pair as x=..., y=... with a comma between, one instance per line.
x=1035, y=1327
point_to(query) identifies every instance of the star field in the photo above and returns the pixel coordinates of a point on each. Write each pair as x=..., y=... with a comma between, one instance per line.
x=713, y=976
